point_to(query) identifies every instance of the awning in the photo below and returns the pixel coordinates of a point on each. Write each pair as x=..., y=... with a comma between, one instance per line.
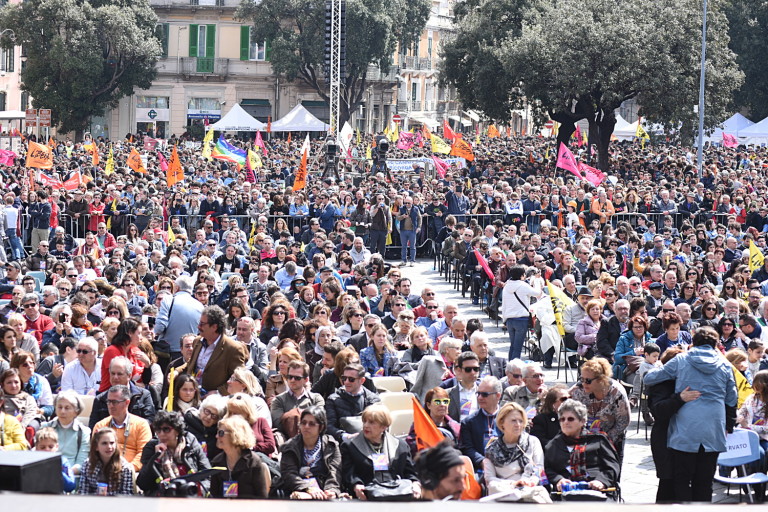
x=472, y=115
x=455, y=118
x=12, y=114
x=465, y=123
x=431, y=123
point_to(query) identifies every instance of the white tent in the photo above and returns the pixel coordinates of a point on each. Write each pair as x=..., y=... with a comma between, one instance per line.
x=299, y=120
x=626, y=132
x=237, y=120
x=756, y=133
x=621, y=123
x=735, y=125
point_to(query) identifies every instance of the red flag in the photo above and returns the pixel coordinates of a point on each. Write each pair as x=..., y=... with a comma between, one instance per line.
x=49, y=181
x=565, y=160
x=447, y=132
x=484, y=263
x=163, y=161
x=73, y=182
x=150, y=144
x=730, y=141
x=578, y=136
x=260, y=142
x=441, y=166
x=205, y=121
x=592, y=175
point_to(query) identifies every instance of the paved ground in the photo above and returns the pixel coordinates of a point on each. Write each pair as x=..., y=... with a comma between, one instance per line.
x=638, y=480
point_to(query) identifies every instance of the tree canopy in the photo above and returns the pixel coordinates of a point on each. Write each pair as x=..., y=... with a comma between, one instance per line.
x=748, y=29
x=83, y=56
x=295, y=30
x=580, y=59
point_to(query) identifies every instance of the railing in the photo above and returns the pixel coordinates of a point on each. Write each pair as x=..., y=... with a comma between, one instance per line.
x=417, y=63
x=204, y=66
x=194, y=3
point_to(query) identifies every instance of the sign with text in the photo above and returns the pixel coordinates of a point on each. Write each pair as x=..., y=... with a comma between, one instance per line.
x=45, y=117
x=31, y=117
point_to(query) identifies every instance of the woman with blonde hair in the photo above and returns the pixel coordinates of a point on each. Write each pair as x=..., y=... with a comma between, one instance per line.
x=242, y=405
x=243, y=381
x=276, y=383
x=244, y=466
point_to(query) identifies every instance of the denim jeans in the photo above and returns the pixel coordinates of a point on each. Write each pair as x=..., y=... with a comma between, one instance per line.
x=517, y=328
x=407, y=237
x=17, y=250
x=378, y=242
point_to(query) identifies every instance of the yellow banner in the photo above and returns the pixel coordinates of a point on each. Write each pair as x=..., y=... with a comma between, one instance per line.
x=756, y=257
x=560, y=301
x=439, y=145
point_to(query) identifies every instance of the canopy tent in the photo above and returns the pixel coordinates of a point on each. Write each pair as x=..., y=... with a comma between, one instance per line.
x=621, y=123
x=735, y=125
x=237, y=120
x=756, y=133
x=626, y=132
x=299, y=119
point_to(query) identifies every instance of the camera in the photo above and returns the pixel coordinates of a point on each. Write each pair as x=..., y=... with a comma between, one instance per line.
x=62, y=317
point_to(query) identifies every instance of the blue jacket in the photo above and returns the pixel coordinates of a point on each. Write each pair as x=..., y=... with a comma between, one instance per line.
x=476, y=430
x=185, y=318
x=625, y=347
x=327, y=216
x=457, y=204
x=371, y=364
x=699, y=422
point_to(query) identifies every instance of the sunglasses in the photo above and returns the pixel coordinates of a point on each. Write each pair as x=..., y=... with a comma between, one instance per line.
x=432, y=307
x=83, y=351
x=278, y=312
x=295, y=377
x=221, y=432
x=567, y=419
x=563, y=399
x=485, y=394
x=517, y=375
x=588, y=381
x=471, y=369
x=441, y=401
x=345, y=378
x=27, y=306
x=369, y=326
x=308, y=423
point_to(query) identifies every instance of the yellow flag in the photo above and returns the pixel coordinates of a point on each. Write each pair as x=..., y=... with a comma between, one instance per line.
x=756, y=257
x=368, y=153
x=386, y=132
x=110, y=167
x=560, y=301
x=171, y=235
x=439, y=145
x=207, y=140
x=477, y=139
x=394, y=134
x=555, y=129
x=640, y=132
x=359, y=139
x=254, y=159
x=171, y=378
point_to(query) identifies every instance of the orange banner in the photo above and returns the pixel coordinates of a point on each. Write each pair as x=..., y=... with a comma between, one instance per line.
x=461, y=148
x=427, y=434
x=493, y=132
x=301, y=175
x=175, y=172
x=135, y=163
x=39, y=156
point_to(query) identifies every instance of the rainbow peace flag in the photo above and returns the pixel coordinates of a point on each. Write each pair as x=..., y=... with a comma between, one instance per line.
x=223, y=150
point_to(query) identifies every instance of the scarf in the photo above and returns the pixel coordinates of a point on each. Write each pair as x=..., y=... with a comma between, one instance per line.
x=502, y=455
x=578, y=457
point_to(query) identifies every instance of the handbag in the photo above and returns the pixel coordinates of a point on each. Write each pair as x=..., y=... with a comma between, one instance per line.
x=633, y=364
x=527, y=308
x=395, y=490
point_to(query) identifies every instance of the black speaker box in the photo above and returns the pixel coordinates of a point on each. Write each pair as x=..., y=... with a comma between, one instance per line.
x=30, y=472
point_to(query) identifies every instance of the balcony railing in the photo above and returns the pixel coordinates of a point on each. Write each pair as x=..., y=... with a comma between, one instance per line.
x=204, y=67
x=417, y=63
x=196, y=4
x=374, y=74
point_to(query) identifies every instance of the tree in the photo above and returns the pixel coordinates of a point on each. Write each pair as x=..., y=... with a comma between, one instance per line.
x=295, y=30
x=616, y=50
x=83, y=56
x=748, y=28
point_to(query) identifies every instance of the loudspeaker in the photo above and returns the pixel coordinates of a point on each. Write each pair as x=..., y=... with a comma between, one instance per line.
x=30, y=472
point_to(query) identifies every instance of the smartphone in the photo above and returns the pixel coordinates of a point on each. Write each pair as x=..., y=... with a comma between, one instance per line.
x=62, y=317
x=354, y=290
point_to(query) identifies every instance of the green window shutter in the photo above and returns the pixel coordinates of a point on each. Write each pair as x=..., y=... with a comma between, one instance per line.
x=161, y=32
x=245, y=42
x=267, y=50
x=193, y=40
x=210, y=42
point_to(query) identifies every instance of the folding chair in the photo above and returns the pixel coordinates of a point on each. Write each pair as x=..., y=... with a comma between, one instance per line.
x=568, y=353
x=393, y=383
x=743, y=448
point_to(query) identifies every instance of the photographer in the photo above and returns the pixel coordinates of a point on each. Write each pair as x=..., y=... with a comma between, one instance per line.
x=381, y=224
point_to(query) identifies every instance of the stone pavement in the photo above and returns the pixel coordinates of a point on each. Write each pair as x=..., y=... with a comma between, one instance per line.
x=638, y=480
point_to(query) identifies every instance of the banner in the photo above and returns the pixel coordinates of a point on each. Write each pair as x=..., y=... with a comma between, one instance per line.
x=7, y=157
x=150, y=144
x=484, y=263
x=135, y=163
x=730, y=141
x=592, y=175
x=405, y=141
x=162, y=161
x=260, y=143
x=447, y=132
x=93, y=150
x=756, y=258
x=440, y=166
x=207, y=145
x=49, y=181
x=74, y=182
x=300, y=181
x=407, y=163
x=39, y=156
x=566, y=160
x=175, y=172
x=462, y=148
x=439, y=145
x=110, y=167
x=345, y=138
x=560, y=301
x=250, y=175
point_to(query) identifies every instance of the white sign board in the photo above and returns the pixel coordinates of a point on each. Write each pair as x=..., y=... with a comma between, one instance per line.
x=737, y=444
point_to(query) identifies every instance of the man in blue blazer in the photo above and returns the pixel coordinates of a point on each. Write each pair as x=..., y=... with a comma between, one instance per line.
x=478, y=428
x=178, y=315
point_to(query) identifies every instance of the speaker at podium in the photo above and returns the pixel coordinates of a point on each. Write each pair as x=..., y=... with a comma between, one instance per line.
x=30, y=472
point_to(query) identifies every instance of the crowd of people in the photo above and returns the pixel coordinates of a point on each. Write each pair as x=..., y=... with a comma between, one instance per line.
x=233, y=322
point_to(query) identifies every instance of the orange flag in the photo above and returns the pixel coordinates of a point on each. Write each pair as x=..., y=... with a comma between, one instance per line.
x=51, y=143
x=300, y=181
x=39, y=156
x=461, y=148
x=472, y=489
x=94, y=151
x=175, y=172
x=135, y=163
x=509, y=132
x=427, y=434
x=289, y=137
x=269, y=124
x=493, y=132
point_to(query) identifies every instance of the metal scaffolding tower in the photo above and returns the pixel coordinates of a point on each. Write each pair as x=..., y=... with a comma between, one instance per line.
x=333, y=10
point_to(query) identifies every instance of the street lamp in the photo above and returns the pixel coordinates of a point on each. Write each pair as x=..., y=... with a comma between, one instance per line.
x=702, y=80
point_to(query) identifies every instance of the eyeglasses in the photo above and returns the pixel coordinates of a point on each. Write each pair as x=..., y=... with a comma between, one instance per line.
x=83, y=351
x=667, y=310
x=281, y=313
x=165, y=430
x=441, y=401
x=221, y=432
x=116, y=402
x=27, y=306
x=321, y=312
x=536, y=376
x=213, y=415
x=370, y=326
x=357, y=315
x=295, y=377
x=567, y=419
x=345, y=378
x=485, y=394
x=113, y=312
x=166, y=288
x=429, y=294
x=471, y=369
x=588, y=381
x=710, y=309
x=308, y=423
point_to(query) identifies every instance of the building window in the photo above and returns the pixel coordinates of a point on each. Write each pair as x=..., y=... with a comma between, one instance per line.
x=201, y=43
x=3, y=96
x=151, y=102
x=161, y=31
x=6, y=59
x=250, y=48
x=24, y=100
x=257, y=50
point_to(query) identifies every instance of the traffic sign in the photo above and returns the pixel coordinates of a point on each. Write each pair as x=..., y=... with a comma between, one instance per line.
x=396, y=118
x=45, y=117
x=31, y=117
x=549, y=125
